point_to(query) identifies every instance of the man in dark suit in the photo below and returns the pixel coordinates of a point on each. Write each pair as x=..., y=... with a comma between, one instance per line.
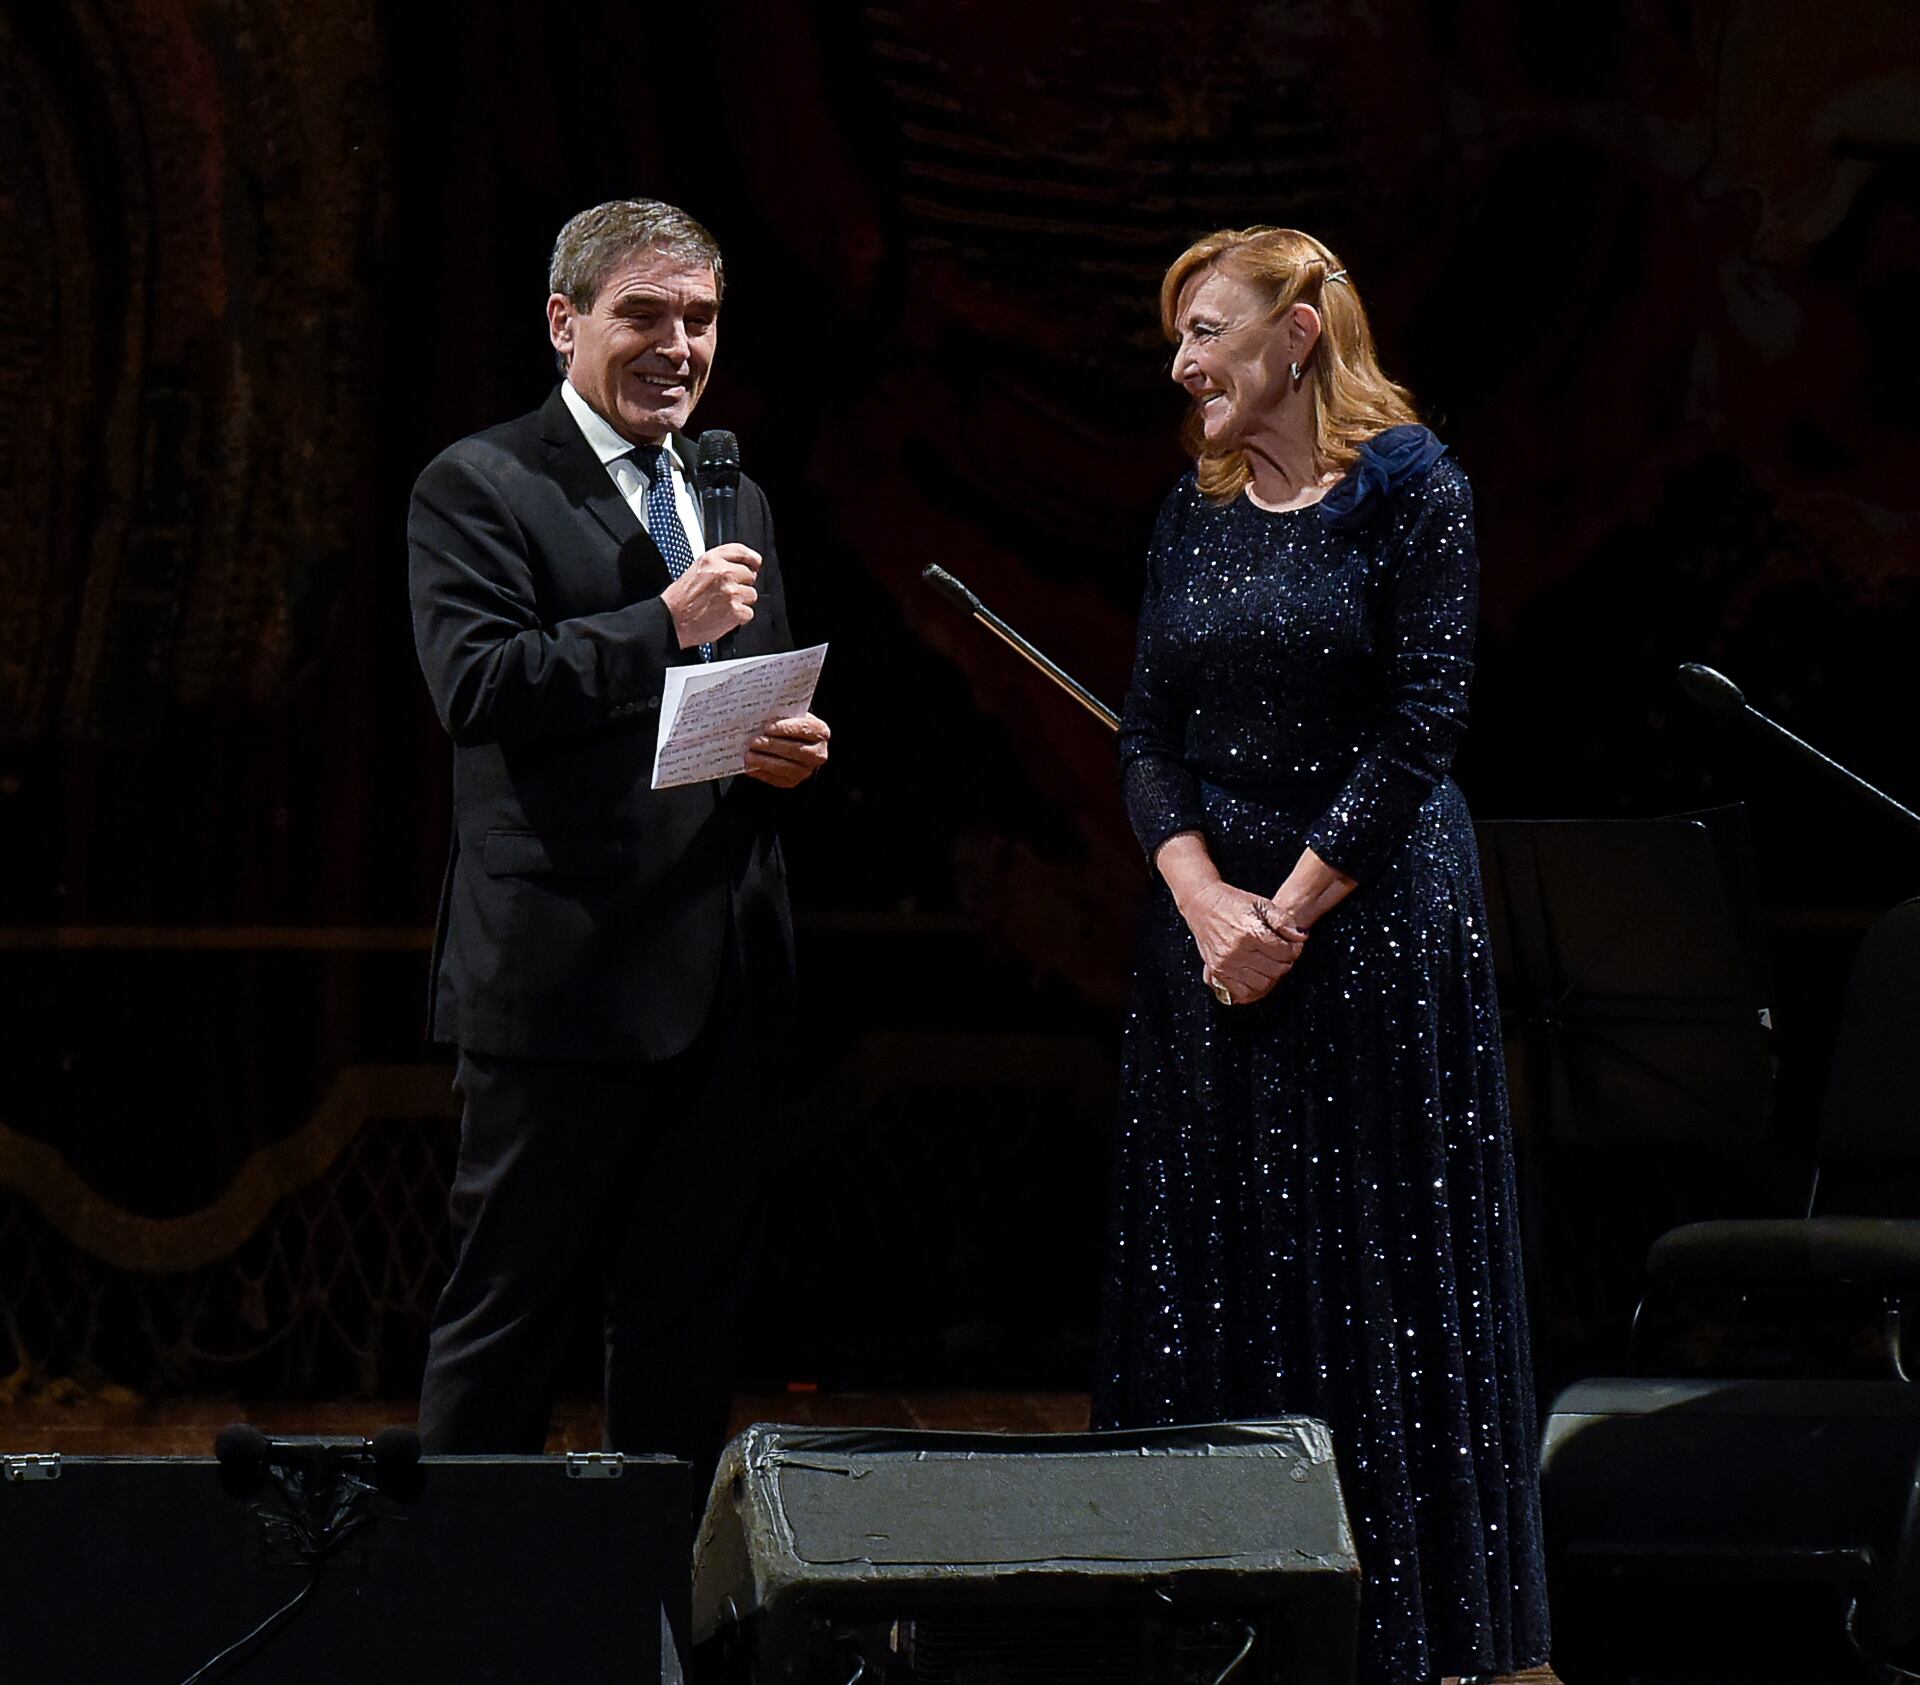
x=612, y=962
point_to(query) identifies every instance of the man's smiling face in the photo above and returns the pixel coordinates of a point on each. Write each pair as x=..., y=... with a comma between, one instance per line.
x=641, y=354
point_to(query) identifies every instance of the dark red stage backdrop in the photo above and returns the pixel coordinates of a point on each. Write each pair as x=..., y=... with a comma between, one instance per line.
x=1652, y=268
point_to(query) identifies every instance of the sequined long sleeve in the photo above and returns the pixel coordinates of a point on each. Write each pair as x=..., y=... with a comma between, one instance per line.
x=1161, y=792
x=1430, y=601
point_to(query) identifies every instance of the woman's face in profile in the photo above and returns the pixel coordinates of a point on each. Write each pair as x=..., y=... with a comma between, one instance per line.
x=1231, y=357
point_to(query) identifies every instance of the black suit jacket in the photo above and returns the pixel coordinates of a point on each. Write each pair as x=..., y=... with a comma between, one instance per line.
x=584, y=914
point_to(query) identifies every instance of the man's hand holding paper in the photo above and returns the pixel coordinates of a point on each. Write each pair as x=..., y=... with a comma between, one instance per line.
x=750, y=715
x=788, y=752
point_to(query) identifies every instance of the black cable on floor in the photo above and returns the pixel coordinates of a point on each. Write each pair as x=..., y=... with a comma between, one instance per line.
x=284, y=1614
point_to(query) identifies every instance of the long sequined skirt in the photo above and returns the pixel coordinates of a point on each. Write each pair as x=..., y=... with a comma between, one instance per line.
x=1313, y=1212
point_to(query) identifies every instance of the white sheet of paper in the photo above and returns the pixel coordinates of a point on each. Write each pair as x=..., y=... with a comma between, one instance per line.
x=708, y=712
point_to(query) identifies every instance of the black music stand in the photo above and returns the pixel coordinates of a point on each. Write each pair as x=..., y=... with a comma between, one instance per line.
x=1633, y=986
x=1633, y=993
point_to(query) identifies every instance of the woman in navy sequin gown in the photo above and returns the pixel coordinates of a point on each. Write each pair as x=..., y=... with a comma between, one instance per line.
x=1313, y=1208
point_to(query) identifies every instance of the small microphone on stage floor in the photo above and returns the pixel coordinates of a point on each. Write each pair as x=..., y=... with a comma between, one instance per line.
x=719, y=476
x=241, y=1450
x=396, y=1463
x=957, y=593
x=247, y=1457
x=1721, y=697
x=321, y=1484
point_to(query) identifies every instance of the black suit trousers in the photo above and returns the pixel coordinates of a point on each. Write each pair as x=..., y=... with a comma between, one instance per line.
x=647, y=1170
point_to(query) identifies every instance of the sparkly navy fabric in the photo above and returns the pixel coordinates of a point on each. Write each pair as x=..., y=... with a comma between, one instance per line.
x=1313, y=1207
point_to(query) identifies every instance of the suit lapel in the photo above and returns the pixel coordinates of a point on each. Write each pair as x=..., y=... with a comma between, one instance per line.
x=583, y=477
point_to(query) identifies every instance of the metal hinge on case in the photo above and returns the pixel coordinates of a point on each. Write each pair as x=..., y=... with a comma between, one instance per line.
x=38, y=1465
x=595, y=1465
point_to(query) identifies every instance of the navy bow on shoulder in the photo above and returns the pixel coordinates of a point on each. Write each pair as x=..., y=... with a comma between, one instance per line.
x=1387, y=462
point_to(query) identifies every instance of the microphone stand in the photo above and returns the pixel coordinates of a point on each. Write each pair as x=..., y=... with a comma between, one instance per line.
x=1720, y=696
x=955, y=592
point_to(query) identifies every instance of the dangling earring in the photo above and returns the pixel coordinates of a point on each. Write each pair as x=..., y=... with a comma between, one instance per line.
x=1296, y=372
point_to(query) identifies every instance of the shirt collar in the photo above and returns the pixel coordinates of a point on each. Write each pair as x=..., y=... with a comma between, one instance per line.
x=601, y=439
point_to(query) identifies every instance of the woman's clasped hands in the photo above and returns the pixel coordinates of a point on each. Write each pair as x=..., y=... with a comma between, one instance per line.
x=1246, y=943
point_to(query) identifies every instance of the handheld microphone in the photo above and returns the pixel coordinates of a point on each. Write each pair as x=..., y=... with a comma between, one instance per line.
x=719, y=476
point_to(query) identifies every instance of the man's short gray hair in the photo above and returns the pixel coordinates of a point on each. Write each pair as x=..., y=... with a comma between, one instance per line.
x=596, y=242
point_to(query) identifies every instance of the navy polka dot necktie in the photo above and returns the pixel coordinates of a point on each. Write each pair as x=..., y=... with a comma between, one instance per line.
x=663, y=516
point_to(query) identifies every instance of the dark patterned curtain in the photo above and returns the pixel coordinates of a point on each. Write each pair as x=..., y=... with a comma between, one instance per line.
x=1651, y=268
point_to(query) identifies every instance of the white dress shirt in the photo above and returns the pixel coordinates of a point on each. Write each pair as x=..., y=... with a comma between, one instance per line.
x=631, y=479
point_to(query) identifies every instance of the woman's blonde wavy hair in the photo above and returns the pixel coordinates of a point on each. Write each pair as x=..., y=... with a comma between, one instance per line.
x=1351, y=398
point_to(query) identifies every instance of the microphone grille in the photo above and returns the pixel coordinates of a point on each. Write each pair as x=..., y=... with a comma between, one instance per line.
x=240, y=1442
x=719, y=456
x=949, y=587
x=396, y=1464
x=241, y=1450
x=1713, y=691
x=396, y=1447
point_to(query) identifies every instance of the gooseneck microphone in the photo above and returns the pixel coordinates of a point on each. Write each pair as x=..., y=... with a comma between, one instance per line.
x=719, y=477
x=1715, y=692
x=1722, y=698
x=955, y=592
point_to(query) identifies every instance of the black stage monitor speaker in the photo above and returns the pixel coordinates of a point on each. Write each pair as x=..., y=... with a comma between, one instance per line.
x=515, y=1570
x=1722, y=1530
x=1182, y=1556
